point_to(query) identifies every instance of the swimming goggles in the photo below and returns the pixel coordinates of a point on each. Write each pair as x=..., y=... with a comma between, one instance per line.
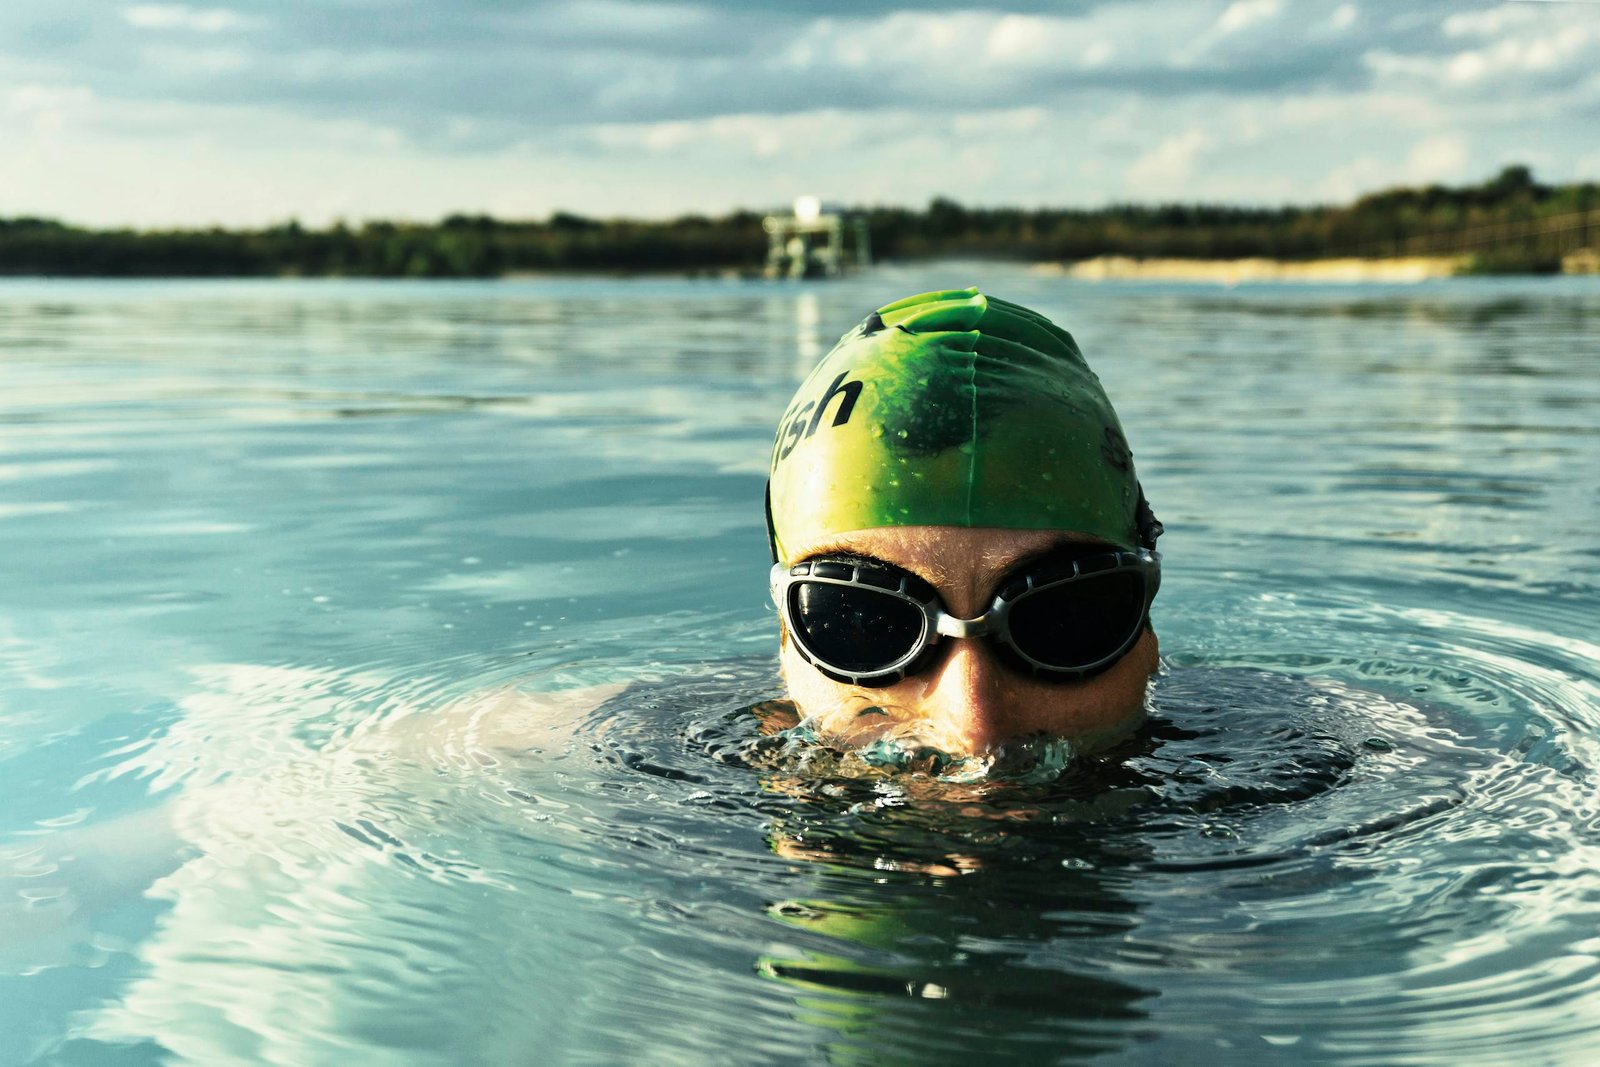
x=869, y=623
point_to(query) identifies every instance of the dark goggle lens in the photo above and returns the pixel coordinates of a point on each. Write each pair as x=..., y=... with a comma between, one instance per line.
x=1079, y=623
x=853, y=630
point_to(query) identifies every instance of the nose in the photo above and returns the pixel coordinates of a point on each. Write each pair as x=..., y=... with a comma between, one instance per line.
x=965, y=703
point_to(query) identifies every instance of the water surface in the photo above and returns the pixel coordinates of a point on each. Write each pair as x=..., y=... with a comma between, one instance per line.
x=375, y=664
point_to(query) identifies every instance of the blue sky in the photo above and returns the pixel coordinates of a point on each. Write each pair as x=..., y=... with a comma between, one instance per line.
x=254, y=111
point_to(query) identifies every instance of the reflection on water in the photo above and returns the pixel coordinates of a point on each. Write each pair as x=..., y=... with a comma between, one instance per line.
x=379, y=660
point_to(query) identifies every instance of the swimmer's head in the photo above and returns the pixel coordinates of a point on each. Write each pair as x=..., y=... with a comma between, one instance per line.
x=954, y=408
x=962, y=441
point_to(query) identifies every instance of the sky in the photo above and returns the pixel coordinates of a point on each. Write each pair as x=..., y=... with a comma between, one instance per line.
x=258, y=111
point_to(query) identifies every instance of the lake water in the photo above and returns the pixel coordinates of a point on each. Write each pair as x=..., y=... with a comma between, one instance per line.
x=264, y=547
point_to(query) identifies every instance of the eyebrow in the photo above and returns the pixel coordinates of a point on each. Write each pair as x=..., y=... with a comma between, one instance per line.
x=846, y=556
x=1061, y=551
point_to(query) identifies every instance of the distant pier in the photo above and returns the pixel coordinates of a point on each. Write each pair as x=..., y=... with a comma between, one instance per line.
x=817, y=241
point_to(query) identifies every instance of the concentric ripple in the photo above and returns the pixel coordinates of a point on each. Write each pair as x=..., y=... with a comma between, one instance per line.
x=386, y=677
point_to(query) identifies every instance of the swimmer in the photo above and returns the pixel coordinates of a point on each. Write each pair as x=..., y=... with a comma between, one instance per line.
x=962, y=554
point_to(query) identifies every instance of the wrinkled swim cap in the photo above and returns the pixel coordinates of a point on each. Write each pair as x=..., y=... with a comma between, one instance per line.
x=953, y=408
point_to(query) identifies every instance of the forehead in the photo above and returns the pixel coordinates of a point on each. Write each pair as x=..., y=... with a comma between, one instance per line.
x=939, y=552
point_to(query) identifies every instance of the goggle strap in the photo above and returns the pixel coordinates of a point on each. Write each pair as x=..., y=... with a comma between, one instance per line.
x=1150, y=527
x=772, y=530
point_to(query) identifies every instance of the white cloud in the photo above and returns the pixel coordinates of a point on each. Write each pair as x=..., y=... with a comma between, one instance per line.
x=181, y=17
x=1441, y=158
x=1166, y=170
x=1021, y=120
x=630, y=18
x=1517, y=47
x=631, y=106
x=45, y=110
x=1017, y=37
x=981, y=47
x=756, y=136
x=196, y=62
x=1565, y=47
x=1245, y=13
x=1491, y=22
x=1099, y=53
x=46, y=99
x=256, y=166
x=1438, y=159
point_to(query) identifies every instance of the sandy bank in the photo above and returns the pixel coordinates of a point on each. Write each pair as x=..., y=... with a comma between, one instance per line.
x=1235, y=271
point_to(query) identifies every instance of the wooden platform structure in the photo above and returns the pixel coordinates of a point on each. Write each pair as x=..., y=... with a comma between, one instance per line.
x=812, y=243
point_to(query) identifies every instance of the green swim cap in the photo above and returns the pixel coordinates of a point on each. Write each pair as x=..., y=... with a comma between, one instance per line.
x=954, y=408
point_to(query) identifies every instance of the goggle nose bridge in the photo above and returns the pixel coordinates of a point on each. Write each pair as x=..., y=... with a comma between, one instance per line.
x=982, y=626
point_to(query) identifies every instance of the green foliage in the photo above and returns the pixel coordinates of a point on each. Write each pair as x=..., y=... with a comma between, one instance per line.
x=1510, y=223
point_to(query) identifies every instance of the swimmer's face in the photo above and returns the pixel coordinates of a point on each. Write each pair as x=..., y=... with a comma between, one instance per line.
x=968, y=701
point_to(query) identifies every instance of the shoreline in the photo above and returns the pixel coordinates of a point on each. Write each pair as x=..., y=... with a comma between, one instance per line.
x=1230, y=272
x=1223, y=272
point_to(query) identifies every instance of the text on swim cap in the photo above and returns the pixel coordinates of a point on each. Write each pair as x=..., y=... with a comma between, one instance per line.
x=798, y=425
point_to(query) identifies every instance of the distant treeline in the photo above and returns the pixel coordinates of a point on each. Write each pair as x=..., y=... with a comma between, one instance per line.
x=1509, y=223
